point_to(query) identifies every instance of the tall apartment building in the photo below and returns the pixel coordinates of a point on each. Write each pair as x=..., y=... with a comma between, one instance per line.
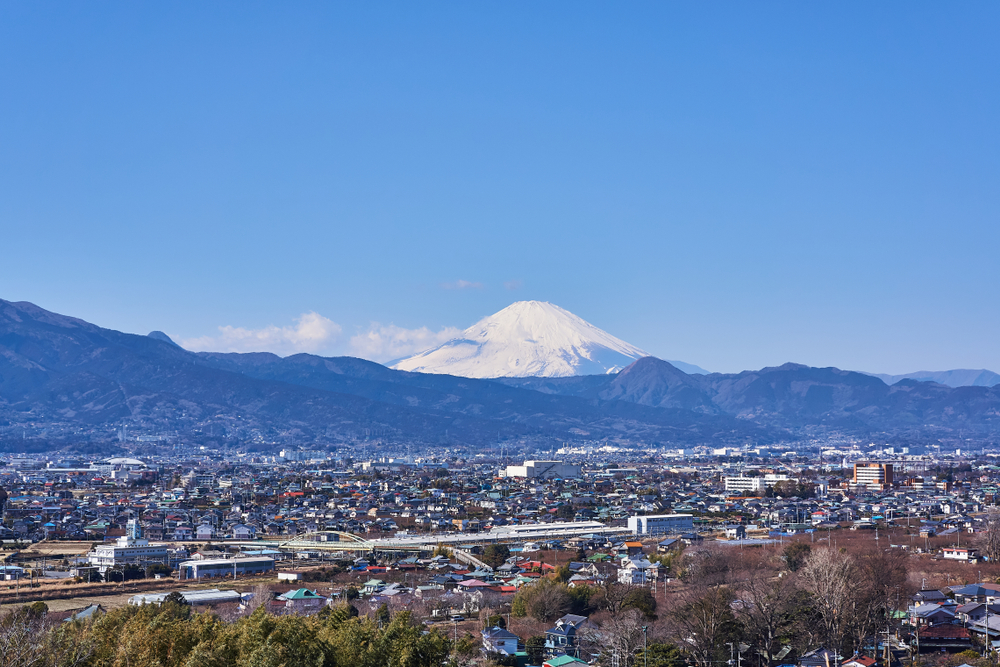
x=872, y=474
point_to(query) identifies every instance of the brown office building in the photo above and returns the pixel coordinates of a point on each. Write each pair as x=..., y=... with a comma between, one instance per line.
x=873, y=474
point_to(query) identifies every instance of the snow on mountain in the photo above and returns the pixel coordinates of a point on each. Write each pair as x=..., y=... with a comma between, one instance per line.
x=527, y=339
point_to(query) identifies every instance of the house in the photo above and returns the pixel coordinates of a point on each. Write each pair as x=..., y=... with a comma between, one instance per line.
x=561, y=640
x=960, y=554
x=971, y=611
x=929, y=596
x=933, y=614
x=633, y=549
x=638, y=572
x=182, y=533
x=302, y=599
x=859, y=661
x=562, y=661
x=499, y=640
x=205, y=532
x=373, y=586
x=943, y=637
x=668, y=545
x=244, y=532
x=737, y=532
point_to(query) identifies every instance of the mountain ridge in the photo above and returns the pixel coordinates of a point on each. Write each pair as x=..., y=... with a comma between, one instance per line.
x=67, y=374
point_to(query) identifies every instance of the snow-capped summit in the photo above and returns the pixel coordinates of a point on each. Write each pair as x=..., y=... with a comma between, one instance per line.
x=527, y=339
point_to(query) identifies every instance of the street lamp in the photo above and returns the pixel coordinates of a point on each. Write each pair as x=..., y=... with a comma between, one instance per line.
x=645, y=647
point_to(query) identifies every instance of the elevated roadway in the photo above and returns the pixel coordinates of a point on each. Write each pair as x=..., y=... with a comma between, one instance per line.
x=341, y=541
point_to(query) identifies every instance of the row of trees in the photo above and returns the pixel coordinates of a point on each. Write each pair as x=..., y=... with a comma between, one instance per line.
x=170, y=635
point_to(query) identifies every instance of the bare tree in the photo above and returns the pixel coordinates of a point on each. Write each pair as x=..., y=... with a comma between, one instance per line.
x=22, y=639
x=879, y=576
x=549, y=602
x=613, y=595
x=764, y=606
x=703, y=621
x=828, y=575
x=989, y=541
x=261, y=595
x=618, y=635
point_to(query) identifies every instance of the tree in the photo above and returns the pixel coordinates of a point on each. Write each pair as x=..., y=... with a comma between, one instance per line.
x=382, y=616
x=175, y=597
x=158, y=569
x=619, y=635
x=534, y=646
x=21, y=639
x=259, y=597
x=467, y=646
x=545, y=600
x=660, y=655
x=581, y=599
x=549, y=600
x=989, y=540
x=879, y=576
x=495, y=555
x=765, y=614
x=704, y=621
x=642, y=600
x=36, y=609
x=795, y=555
x=828, y=575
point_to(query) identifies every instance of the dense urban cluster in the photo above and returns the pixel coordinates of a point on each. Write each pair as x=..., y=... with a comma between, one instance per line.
x=853, y=555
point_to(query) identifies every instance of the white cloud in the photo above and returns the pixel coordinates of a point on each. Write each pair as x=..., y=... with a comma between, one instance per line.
x=462, y=284
x=514, y=284
x=386, y=342
x=312, y=333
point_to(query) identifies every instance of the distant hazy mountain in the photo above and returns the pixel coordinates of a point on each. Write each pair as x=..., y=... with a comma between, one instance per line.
x=62, y=371
x=960, y=377
x=529, y=339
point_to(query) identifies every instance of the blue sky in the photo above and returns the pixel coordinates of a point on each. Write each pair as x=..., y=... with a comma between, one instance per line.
x=731, y=184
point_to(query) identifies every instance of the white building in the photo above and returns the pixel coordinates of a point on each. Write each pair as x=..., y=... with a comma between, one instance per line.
x=753, y=484
x=659, y=524
x=542, y=470
x=960, y=553
x=223, y=567
x=128, y=550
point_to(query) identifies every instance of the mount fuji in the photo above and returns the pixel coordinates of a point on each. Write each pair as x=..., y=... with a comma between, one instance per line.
x=529, y=339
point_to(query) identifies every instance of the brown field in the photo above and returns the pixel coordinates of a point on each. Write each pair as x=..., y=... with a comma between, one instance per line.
x=49, y=549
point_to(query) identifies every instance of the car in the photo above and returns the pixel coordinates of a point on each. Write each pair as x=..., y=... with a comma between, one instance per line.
x=456, y=618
